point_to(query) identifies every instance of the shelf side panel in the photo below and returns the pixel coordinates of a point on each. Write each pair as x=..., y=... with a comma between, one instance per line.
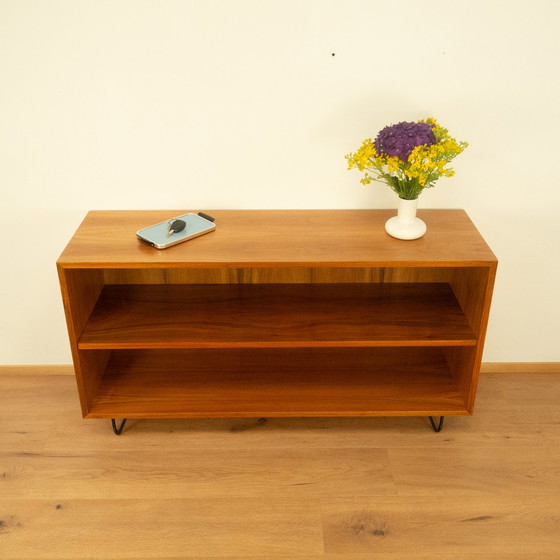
x=80, y=290
x=473, y=287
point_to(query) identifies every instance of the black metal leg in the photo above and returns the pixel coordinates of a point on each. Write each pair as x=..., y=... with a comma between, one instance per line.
x=118, y=431
x=439, y=426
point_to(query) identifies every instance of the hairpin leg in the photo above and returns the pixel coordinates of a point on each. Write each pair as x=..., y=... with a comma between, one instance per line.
x=439, y=426
x=118, y=431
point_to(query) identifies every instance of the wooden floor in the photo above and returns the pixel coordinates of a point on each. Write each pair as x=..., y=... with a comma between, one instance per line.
x=487, y=486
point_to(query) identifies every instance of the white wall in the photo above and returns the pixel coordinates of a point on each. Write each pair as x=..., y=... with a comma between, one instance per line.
x=137, y=104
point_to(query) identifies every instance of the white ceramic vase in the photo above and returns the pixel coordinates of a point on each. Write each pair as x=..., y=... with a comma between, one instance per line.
x=405, y=225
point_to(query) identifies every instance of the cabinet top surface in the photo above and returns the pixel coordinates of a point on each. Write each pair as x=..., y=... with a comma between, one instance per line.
x=261, y=238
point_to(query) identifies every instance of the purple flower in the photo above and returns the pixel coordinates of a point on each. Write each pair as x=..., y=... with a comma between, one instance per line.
x=400, y=139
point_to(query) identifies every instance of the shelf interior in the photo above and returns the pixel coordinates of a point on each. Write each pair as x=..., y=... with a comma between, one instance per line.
x=276, y=315
x=236, y=382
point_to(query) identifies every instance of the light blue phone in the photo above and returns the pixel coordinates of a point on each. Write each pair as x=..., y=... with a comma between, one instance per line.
x=195, y=225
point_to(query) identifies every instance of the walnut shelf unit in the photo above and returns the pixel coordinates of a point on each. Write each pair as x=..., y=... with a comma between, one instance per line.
x=277, y=313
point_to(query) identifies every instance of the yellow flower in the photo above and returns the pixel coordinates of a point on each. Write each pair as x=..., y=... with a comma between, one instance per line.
x=393, y=163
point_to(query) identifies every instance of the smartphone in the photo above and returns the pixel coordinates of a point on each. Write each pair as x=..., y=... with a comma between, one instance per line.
x=196, y=225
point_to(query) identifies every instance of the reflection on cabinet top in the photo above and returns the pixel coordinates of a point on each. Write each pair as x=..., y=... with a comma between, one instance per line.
x=278, y=238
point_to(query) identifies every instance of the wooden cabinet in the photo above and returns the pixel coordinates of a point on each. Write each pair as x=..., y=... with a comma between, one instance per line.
x=277, y=313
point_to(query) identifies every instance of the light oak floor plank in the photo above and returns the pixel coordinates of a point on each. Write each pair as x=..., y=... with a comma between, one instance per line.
x=108, y=528
x=279, y=489
x=443, y=526
x=211, y=473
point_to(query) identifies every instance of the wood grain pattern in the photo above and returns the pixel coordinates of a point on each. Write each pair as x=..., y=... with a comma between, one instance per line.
x=279, y=279
x=80, y=291
x=276, y=315
x=283, y=382
x=272, y=238
x=284, y=275
x=477, y=525
x=280, y=489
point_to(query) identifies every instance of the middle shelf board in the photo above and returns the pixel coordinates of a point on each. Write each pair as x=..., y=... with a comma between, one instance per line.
x=276, y=315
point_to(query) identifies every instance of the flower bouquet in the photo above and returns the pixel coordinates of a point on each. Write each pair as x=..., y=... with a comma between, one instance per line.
x=409, y=157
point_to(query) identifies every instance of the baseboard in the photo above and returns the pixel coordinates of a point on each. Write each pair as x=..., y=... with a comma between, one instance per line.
x=486, y=367
x=64, y=369
x=520, y=367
